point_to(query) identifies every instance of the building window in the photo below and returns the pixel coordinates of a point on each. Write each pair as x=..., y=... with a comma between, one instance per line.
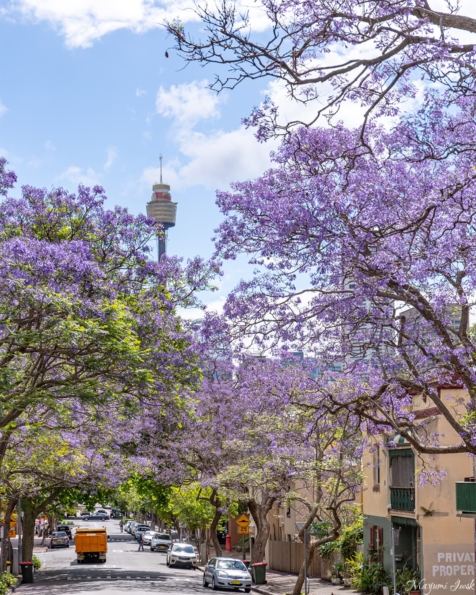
x=402, y=472
x=377, y=466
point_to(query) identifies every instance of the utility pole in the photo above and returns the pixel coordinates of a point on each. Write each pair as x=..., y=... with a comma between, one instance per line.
x=20, y=560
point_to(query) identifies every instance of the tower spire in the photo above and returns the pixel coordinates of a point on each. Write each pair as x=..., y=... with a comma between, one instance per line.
x=160, y=169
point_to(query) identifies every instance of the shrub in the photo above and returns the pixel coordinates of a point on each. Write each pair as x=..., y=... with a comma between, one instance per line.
x=7, y=580
x=36, y=562
x=407, y=579
x=350, y=539
x=367, y=576
x=326, y=549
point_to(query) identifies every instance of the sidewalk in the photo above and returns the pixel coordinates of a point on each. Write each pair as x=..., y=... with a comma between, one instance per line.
x=280, y=583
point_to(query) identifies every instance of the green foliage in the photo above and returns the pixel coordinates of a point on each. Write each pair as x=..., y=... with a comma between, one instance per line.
x=320, y=529
x=7, y=580
x=326, y=549
x=367, y=576
x=338, y=569
x=407, y=580
x=36, y=562
x=350, y=539
x=189, y=505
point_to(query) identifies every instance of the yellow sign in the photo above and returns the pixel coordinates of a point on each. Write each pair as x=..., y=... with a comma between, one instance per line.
x=243, y=530
x=12, y=533
x=243, y=521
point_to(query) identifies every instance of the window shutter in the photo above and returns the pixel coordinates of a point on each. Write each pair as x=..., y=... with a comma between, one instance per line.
x=380, y=537
x=372, y=537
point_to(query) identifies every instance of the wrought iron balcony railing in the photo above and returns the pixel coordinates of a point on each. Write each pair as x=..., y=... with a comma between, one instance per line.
x=402, y=498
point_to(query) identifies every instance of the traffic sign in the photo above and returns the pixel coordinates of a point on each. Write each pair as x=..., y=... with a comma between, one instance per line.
x=243, y=521
x=243, y=530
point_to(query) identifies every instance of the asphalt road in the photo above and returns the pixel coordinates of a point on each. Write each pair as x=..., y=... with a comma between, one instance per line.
x=125, y=570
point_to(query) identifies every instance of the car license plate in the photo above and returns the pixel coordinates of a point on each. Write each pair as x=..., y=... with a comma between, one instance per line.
x=235, y=583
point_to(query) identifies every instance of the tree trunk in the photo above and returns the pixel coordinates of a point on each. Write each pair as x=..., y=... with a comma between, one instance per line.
x=259, y=512
x=6, y=539
x=29, y=518
x=213, y=533
x=300, y=579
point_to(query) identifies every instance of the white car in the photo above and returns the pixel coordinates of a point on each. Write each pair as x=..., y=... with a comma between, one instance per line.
x=127, y=526
x=140, y=530
x=147, y=537
x=160, y=542
x=227, y=573
x=182, y=554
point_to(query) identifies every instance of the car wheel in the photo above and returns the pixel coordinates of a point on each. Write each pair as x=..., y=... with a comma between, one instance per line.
x=247, y=590
x=214, y=587
x=205, y=582
x=167, y=563
x=152, y=549
x=67, y=546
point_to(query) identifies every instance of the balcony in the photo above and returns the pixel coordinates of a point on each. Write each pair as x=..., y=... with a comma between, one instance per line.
x=402, y=499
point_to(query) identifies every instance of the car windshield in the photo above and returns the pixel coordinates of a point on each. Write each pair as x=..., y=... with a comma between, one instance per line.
x=143, y=527
x=163, y=536
x=231, y=564
x=59, y=534
x=187, y=549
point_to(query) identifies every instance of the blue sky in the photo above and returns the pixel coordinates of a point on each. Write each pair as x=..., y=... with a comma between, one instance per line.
x=87, y=95
x=102, y=110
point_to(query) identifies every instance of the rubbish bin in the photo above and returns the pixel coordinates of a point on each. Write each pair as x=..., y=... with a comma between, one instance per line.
x=9, y=566
x=27, y=572
x=259, y=572
x=246, y=563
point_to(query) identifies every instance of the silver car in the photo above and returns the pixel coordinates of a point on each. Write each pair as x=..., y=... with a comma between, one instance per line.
x=147, y=537
x=227, y=573
x=160, y=542
x=182, y=554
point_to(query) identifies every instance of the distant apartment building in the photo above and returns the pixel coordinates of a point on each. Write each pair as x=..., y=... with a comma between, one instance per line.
x=432, y=532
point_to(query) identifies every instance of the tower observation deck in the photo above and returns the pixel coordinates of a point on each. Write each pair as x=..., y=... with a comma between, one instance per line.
x=162, y=210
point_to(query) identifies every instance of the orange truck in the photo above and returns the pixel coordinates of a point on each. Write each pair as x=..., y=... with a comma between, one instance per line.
x=91, y=543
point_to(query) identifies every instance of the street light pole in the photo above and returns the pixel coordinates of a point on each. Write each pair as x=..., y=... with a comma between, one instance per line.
x=19, y=531
x=394, y=572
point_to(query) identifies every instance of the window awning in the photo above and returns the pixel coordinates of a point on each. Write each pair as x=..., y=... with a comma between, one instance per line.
x=400, y=520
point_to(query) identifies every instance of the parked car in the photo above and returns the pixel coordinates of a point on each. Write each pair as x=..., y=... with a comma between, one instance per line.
x=59, y=539
x=101, y=511
x=227, y=573
x=147, y=537
x=132, y=526
x=142, y=529
x=84, y=513
x=127, y=526
x=66, y=529
x=97, y=516
x=160, y=542
x=182, y=554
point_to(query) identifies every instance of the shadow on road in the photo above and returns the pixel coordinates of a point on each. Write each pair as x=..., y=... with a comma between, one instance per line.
x=91, y=579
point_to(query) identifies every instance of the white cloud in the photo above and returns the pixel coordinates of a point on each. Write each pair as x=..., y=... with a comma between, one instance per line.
x=49, y=146
x=111, y=157
x=82, y=22
x=3, y=108
x=188, y=103
x=214, y=159
x=77, y=175
x=140, y=92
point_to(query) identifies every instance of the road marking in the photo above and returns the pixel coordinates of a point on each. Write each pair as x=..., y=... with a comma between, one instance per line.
x=118, y=551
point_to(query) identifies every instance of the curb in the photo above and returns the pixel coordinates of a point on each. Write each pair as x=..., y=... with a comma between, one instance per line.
x=262, y=591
